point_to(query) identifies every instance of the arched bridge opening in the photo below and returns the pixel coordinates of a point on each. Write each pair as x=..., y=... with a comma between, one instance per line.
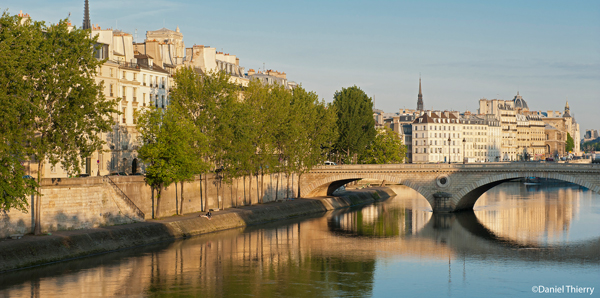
x=447, y=188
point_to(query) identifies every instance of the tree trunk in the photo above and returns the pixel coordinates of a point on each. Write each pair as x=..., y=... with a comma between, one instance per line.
x=206, y=193
x=262, y=185
x=299, y=177
x=258, y=197
x=152, y=190
x=277, y=188
x=158, y=195
x=244, y=187
x=201, y=196
x=287, y=188
x=181, y=195
x=292, y=185
x=217, y=186
x=176, y=201
x=38, y=201
x=250, y=188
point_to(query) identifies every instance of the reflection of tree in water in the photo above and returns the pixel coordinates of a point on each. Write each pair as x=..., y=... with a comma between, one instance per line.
x=373, y=221
x=311, y=276
x=262, y=263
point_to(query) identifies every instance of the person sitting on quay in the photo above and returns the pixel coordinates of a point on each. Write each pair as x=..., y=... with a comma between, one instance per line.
x=207, y=215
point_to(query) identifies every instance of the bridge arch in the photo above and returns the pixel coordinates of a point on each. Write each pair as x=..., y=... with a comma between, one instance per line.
x=327, y=185
x=466, y=198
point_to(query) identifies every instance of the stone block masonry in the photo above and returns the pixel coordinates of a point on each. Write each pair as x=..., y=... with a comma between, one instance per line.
x=83, y=203
x=71, y=204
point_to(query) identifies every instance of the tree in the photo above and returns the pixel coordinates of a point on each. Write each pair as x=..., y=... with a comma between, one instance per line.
x=316, y=127
x=64, y=111
x=355, y=123
x=17, y=53
x=386, y=148
x=170, y=148
x=570, y=143
x=209, y=101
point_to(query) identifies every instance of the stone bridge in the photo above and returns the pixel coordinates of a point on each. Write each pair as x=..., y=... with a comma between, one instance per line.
x=447, y=187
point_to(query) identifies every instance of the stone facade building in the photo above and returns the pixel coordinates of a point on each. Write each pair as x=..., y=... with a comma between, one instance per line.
x=437, y=137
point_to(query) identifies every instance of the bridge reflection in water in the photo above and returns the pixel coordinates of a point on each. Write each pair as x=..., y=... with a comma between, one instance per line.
x=340, y=254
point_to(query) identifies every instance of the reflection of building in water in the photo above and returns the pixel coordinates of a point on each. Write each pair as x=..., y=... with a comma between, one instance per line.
x=394, y=217
x=539, y=218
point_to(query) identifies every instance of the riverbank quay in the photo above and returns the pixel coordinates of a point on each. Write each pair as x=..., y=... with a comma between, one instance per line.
x=64, y=245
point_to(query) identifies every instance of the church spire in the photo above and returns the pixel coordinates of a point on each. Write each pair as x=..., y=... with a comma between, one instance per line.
x=567, y=112
x=420, y=98
x=86, y=16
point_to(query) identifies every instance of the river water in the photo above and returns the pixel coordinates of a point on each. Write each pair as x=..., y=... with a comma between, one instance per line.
x=518, y=241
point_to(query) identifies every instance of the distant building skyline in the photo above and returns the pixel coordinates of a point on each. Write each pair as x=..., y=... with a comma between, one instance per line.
x=548, y=52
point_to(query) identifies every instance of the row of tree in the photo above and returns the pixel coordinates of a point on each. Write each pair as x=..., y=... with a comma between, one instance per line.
x=212, y=125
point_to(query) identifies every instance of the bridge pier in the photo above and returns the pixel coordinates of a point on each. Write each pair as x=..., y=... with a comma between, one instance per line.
x=442, y=202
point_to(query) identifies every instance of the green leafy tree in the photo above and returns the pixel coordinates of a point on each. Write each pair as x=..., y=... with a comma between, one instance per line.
x=355, y=123
x=386, y=148
x=170, y=148
x=209, y=101
x=17, y=56
x=316, y=127
x=66, y=110
x=570, y=143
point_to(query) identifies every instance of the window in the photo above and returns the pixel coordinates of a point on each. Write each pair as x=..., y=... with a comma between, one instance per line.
x=124, y=75
x=134, y=94
x=144, y=99
x=111, y=88
x=111, y=73
x=124, y=93
x=144, y=80
x=124, y=118
x=135, y=76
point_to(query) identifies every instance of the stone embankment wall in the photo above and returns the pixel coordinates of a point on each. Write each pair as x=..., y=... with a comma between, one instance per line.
x=71, y=204
x=215, y=193
x=82, y=203
x=33, y=250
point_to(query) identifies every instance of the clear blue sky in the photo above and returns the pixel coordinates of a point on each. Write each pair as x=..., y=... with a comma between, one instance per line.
x=464, y=50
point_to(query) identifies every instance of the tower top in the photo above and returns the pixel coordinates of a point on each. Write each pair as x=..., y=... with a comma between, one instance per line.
x=420, y=97
x=87, y=24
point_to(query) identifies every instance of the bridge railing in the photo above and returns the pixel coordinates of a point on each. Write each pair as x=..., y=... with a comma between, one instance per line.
x=472, y=166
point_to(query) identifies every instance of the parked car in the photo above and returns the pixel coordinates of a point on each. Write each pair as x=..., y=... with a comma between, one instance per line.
x=330, y=163
x=549, y=159
x=83, y=175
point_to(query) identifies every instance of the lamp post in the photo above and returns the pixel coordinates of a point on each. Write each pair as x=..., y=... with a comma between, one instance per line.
x=449, y=150
x=464, y=153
